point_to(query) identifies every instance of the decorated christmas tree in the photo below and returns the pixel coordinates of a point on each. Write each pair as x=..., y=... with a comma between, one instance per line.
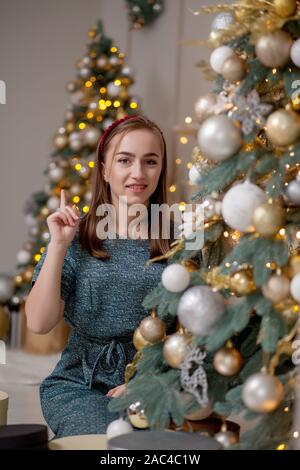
x=98, y=96
x=238, y=309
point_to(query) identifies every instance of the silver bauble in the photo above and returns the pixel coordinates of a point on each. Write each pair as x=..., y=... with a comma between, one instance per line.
x=84, y=72
x=204, y=106
x=45, y=236
x=219, y=138
x=91, y=136
x=107, y=122
x=87, y=61
x=222, y=20
x=6, y=288
x=199, y=309
x=113, y=90
x=56, y=174
x=293, y=191
x=226, y=438
x=53, y=203
x=262, y=392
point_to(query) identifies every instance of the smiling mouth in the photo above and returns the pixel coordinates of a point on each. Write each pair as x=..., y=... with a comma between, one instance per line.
x=137, y=187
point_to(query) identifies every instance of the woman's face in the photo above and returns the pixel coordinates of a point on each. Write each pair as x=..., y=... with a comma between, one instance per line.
x=132, y=169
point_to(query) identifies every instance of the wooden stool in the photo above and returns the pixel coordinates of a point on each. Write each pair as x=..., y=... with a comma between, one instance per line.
x=84, y=442
x=3, y=407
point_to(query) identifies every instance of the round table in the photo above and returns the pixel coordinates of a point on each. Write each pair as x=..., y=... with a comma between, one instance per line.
x=84, y=442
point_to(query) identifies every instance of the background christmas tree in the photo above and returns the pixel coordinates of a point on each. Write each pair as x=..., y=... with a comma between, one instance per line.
x=239, y=313
x=99, y=95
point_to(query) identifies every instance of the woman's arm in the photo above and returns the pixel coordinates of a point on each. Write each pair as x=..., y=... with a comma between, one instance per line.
x=44, y=307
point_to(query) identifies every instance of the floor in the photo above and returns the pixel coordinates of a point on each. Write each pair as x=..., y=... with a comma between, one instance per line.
x=20, y=377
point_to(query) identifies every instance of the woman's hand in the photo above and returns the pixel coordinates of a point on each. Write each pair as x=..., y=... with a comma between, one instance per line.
x=63, y=223
x=117, y=391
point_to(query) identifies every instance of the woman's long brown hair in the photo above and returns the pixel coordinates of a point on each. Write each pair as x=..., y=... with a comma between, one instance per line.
x=101, y=194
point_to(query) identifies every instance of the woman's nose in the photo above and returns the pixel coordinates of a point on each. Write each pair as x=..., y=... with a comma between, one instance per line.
x=137, y=169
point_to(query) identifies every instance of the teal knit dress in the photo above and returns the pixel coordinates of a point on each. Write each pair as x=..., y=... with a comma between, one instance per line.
x=103, y=305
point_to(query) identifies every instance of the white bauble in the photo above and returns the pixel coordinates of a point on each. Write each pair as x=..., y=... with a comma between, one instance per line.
x=113, y=90
x=102, y=62
x=113, y=60
x=75, y=141
x=219, y=138
x=295, y=287
x=84, y=72
x=194, y=175
x=88, y=196
x=293, y=191
x=239, y=204
x=126, y=70
x=56, y=174
x=199, y=309
x=91, y=136
x=218, y=57
x=295, y=52
x=53, y=203
x=175, y=278
x=107, y=122
x=23, y=257
x=117, y=428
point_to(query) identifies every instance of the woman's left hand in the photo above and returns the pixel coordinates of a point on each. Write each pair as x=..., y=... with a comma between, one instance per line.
x=117, y=391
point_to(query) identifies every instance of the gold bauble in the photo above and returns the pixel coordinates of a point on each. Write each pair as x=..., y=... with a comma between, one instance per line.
x=138, y=340
x=295, y=103
x=18, y=280
x=228, y=361
x=285, y=8
x=241, y=282
x=60, y=141
x=226, y=438
x=267, y=219
x=283, y=127
x=241, y=13
x=277, y=288
x=27, y=275
x=175, y=349
x=137, y=416
x=4, y=323
x=153, y=329
x=234, y=69
x=70, y=126
x=273, y=49
x=204, y=106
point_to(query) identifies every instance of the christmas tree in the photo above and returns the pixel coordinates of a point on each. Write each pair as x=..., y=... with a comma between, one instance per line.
x=99, y=95
x=238, y=312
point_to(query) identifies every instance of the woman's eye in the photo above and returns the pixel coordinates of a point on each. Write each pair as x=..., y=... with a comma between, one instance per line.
x=123, y=160
x=152, y=162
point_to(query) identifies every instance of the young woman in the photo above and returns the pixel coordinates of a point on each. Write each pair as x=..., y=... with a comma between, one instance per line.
x=98, y=284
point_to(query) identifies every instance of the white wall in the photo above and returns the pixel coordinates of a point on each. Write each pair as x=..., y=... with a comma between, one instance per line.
x=40, y=41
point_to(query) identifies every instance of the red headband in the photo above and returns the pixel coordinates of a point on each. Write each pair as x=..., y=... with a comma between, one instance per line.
x=111, y=127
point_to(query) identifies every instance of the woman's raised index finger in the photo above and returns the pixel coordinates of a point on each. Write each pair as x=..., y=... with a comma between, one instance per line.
x=63, y=200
